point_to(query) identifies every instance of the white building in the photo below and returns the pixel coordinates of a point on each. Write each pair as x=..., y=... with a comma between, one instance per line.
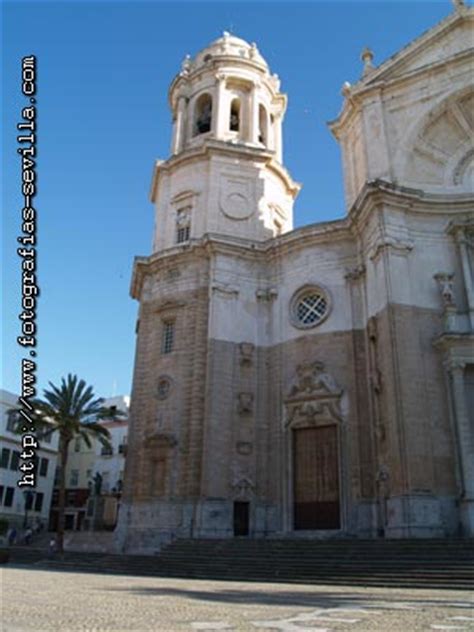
x=110, y=462
x=83, y=465
x=16, y=503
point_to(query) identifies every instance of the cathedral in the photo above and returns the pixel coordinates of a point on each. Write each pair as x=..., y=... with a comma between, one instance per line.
x=317, y=382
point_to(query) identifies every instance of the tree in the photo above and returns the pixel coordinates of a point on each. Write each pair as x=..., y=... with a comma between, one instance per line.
x=72, y=410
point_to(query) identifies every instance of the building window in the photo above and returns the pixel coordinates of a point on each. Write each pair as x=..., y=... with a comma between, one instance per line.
x=106, y=482
x=44, y=467
x=167, y=337
x=12, y=420
x=15, y=460
x=9, y=494
x=278, y=228
x=106, y=450
x=203, y=114
x=39, y=501
x=2, y=489
x=183, y=225
x=77, y=444
x=5, y=458
x=45, y=436
x=309, y=307
x=74, y=478
x=182, y=234
x=234, y=121
x=29, y=500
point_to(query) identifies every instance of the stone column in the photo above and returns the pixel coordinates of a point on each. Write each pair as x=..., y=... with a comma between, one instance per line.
x=277, y=137
x=466, y=269
x=465, y=444
x=253, y=115
x=179, y=126
x=219, y=109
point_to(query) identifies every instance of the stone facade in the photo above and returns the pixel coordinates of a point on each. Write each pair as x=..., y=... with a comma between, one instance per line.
x=311, y=382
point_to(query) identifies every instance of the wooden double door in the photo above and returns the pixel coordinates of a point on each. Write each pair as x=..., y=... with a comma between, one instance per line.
x=316, y=493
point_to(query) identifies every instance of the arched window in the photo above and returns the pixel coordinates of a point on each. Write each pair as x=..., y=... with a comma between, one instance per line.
x=203, y=114
x=234, y=120
x=262, y=125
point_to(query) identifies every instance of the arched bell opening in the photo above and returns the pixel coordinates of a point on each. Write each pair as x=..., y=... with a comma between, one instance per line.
x=203, y=115
x=234, y=118
x=262, y=125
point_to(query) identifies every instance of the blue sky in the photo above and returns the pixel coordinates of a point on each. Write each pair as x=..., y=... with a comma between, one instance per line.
x=103, y=73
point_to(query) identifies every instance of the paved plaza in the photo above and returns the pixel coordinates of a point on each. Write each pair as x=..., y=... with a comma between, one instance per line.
x=49, y=601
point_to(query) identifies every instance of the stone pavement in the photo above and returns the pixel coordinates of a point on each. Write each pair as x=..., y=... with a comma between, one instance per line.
x=50, y=601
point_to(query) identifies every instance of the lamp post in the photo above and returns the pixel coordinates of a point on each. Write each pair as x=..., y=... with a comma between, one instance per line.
x=27, y=495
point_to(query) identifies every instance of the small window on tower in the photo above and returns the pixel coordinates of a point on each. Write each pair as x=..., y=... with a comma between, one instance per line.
x=278, y=228
x=234, y=122
x=167, y=337
x=183, y=225
x=182, y=234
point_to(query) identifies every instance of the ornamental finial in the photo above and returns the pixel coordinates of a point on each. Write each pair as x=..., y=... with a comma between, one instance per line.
x=458, y=4
x=367, y=57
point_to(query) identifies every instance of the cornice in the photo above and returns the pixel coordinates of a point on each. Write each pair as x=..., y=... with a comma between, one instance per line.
x=215, y=147
x=409, y=200
x=373, y=195
x=417, y=45
x=220, y=63
x=379, y=78
x=355, y=99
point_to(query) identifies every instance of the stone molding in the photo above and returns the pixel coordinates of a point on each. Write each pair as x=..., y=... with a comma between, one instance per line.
x=226, y=290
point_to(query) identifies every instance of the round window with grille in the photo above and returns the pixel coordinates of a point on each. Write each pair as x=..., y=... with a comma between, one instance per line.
x=309, y=307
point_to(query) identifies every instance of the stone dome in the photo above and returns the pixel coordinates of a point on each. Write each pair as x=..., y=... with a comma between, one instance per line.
x=229, y=45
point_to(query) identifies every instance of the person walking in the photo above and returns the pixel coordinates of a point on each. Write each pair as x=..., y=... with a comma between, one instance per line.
x=52, y=547
x=11, y=536
x=28, y=535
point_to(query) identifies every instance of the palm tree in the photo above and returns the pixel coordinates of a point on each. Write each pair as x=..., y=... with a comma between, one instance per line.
x=72, y=410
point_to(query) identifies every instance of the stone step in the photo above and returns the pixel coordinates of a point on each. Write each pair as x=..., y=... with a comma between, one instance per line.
x=409, y=564
x=355, y=579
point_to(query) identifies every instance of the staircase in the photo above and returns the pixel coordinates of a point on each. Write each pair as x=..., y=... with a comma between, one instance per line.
x=447, y=564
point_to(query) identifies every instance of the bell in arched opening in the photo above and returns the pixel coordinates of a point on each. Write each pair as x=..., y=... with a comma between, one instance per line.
x=262, y=125
x=203, y=114
x=234, y=121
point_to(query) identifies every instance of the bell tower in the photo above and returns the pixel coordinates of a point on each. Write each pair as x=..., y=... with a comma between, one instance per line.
x=225, y=174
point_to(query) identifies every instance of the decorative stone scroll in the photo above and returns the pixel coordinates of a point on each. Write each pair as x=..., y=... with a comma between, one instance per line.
x=246, y=350
x=355, y=273
x=400, y=246
x=243, y=487
x=245, y=448
x=314, y=398
x=267, y=294
x=245, y=403
x=445, y=283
